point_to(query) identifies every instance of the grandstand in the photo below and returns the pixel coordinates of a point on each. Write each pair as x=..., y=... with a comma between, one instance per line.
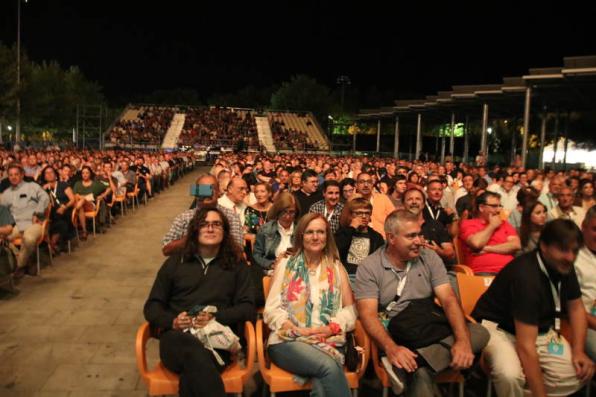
x=155, y=126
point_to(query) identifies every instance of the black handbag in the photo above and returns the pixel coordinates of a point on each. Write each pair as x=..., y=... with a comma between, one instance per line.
x=421, y=323
x=352, y=353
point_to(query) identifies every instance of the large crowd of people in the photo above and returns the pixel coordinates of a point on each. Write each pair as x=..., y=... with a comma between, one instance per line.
x=286, y=138
x=149, y=128
x=381, y=240
x=53, y=192
x=217, y=126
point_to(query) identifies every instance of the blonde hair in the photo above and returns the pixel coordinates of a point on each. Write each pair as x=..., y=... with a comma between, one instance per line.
x=282, y=202
x=330, y=253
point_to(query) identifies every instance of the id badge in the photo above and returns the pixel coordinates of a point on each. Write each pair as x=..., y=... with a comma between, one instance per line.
x=384, y=319
x=555, y=347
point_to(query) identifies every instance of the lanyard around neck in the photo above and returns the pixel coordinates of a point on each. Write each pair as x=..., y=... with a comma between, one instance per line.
x=402, y=281
x=328, y=215
x=431, y=212
x=556, y=293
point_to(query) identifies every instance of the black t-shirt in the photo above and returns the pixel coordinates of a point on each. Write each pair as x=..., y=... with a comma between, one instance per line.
x=521, y=291
x=306, y=201
x=438, y=213
x=270, y=174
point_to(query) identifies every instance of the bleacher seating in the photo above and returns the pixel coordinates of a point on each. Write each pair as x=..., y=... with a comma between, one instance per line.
x=216, y=126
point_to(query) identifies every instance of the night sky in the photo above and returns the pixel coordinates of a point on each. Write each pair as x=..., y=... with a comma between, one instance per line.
x=132, y=48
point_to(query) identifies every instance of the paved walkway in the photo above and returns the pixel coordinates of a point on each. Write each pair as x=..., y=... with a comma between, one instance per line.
x=71, y=332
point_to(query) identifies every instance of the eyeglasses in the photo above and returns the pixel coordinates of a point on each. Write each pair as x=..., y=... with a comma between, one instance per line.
x=494, y=205
x=348, y=190
x=289, y=212
x=362, y=214
x=365, y=182
x=216, y=225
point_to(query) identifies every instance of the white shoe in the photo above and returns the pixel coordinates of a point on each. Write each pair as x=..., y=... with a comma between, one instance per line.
x=397, y=385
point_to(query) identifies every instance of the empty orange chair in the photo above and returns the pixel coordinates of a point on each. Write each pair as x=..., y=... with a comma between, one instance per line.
x=161, y=381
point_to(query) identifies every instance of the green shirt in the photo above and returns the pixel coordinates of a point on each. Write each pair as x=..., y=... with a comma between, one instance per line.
x=96, y=188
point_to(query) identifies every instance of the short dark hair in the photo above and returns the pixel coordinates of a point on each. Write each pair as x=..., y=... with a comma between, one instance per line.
x=483, y=198
x=308, y=174
x=562, y=233
x=328, y=183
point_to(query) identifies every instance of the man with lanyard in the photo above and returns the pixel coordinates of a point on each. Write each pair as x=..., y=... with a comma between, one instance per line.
x=522, y=310
x=435, y=234
x=433, y=209
x=394, y=279
x=330, y=207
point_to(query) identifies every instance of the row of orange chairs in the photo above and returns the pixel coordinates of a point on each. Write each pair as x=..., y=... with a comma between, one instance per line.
x=161, y=381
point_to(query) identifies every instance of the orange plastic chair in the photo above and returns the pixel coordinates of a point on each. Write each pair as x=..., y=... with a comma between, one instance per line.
x=280, y=380
x=471, y=289
x=463, y=269
x=161, y=381
x=134, y=196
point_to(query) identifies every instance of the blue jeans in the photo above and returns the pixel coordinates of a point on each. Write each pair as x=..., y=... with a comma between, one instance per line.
x=302, y=359
x=591, y=344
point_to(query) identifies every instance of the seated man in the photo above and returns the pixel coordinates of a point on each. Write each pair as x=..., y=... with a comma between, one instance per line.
x=175, y=238
x=522, y=311
x=418, y=275
x=585, y=267
x=210, y=271
x=565, y=208
x=233, y=199
x=488, y=242
x=27, y=203
x=330, y=207
x=434, y=232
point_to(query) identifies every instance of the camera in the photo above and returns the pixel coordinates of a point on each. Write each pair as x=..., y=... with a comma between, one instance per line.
x=201, y=191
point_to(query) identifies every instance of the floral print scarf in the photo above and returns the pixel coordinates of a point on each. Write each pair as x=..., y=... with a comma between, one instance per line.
x=296, y=300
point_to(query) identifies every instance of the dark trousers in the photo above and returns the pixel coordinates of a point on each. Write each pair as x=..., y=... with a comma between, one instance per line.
x=199, y=373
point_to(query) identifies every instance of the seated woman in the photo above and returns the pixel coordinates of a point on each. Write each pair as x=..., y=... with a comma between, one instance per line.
x=63, y=200
x=255, y=215
x=355, y=240
x=347, y=187
x=532, y=222
x=585, y=195
x=209, y=272
x=88, y=192
x=310, y=308
x=274, y=239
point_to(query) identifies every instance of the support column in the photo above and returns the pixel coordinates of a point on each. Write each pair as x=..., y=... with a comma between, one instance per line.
x=556, y=141
x=418, y=137
x=542, y=139
x=396, y=139
x=466, y=140
x=452, y=138
x=566, y=132
x=513, y=142
x=378, y=135
x=526, y=126
x=443, y=149
x=484, y=136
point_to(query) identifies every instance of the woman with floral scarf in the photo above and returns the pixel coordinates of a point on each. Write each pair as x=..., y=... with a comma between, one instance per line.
x=310, y=308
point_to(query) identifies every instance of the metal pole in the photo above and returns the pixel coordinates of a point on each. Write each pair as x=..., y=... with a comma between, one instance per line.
x=513, y=142
x=466, y=140
x=418, y=137
x=556, y=141
x=452, y=138
x=526, y=126
x=378, y=136
x=484, y=136
x=566, y=141
x=542, y=139
x=443, y=148
x=396, y=138
x=75, y=136
x=354, y=141
x=18, y=121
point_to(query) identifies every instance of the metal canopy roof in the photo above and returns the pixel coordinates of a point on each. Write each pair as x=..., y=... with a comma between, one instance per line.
x=570, y=87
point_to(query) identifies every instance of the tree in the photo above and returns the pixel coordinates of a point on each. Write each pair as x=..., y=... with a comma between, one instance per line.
x=8, y=81
x=303, y=93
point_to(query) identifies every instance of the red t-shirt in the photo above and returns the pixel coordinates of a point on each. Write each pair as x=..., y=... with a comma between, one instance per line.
x=490, y=262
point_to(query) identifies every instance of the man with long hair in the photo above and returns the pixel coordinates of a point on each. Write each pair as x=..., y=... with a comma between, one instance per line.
x=208, y=271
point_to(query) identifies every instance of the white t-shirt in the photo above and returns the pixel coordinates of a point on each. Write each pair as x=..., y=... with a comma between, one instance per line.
x=585, y=268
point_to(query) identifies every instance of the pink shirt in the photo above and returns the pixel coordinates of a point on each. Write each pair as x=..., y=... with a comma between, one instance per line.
x=488, y=263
